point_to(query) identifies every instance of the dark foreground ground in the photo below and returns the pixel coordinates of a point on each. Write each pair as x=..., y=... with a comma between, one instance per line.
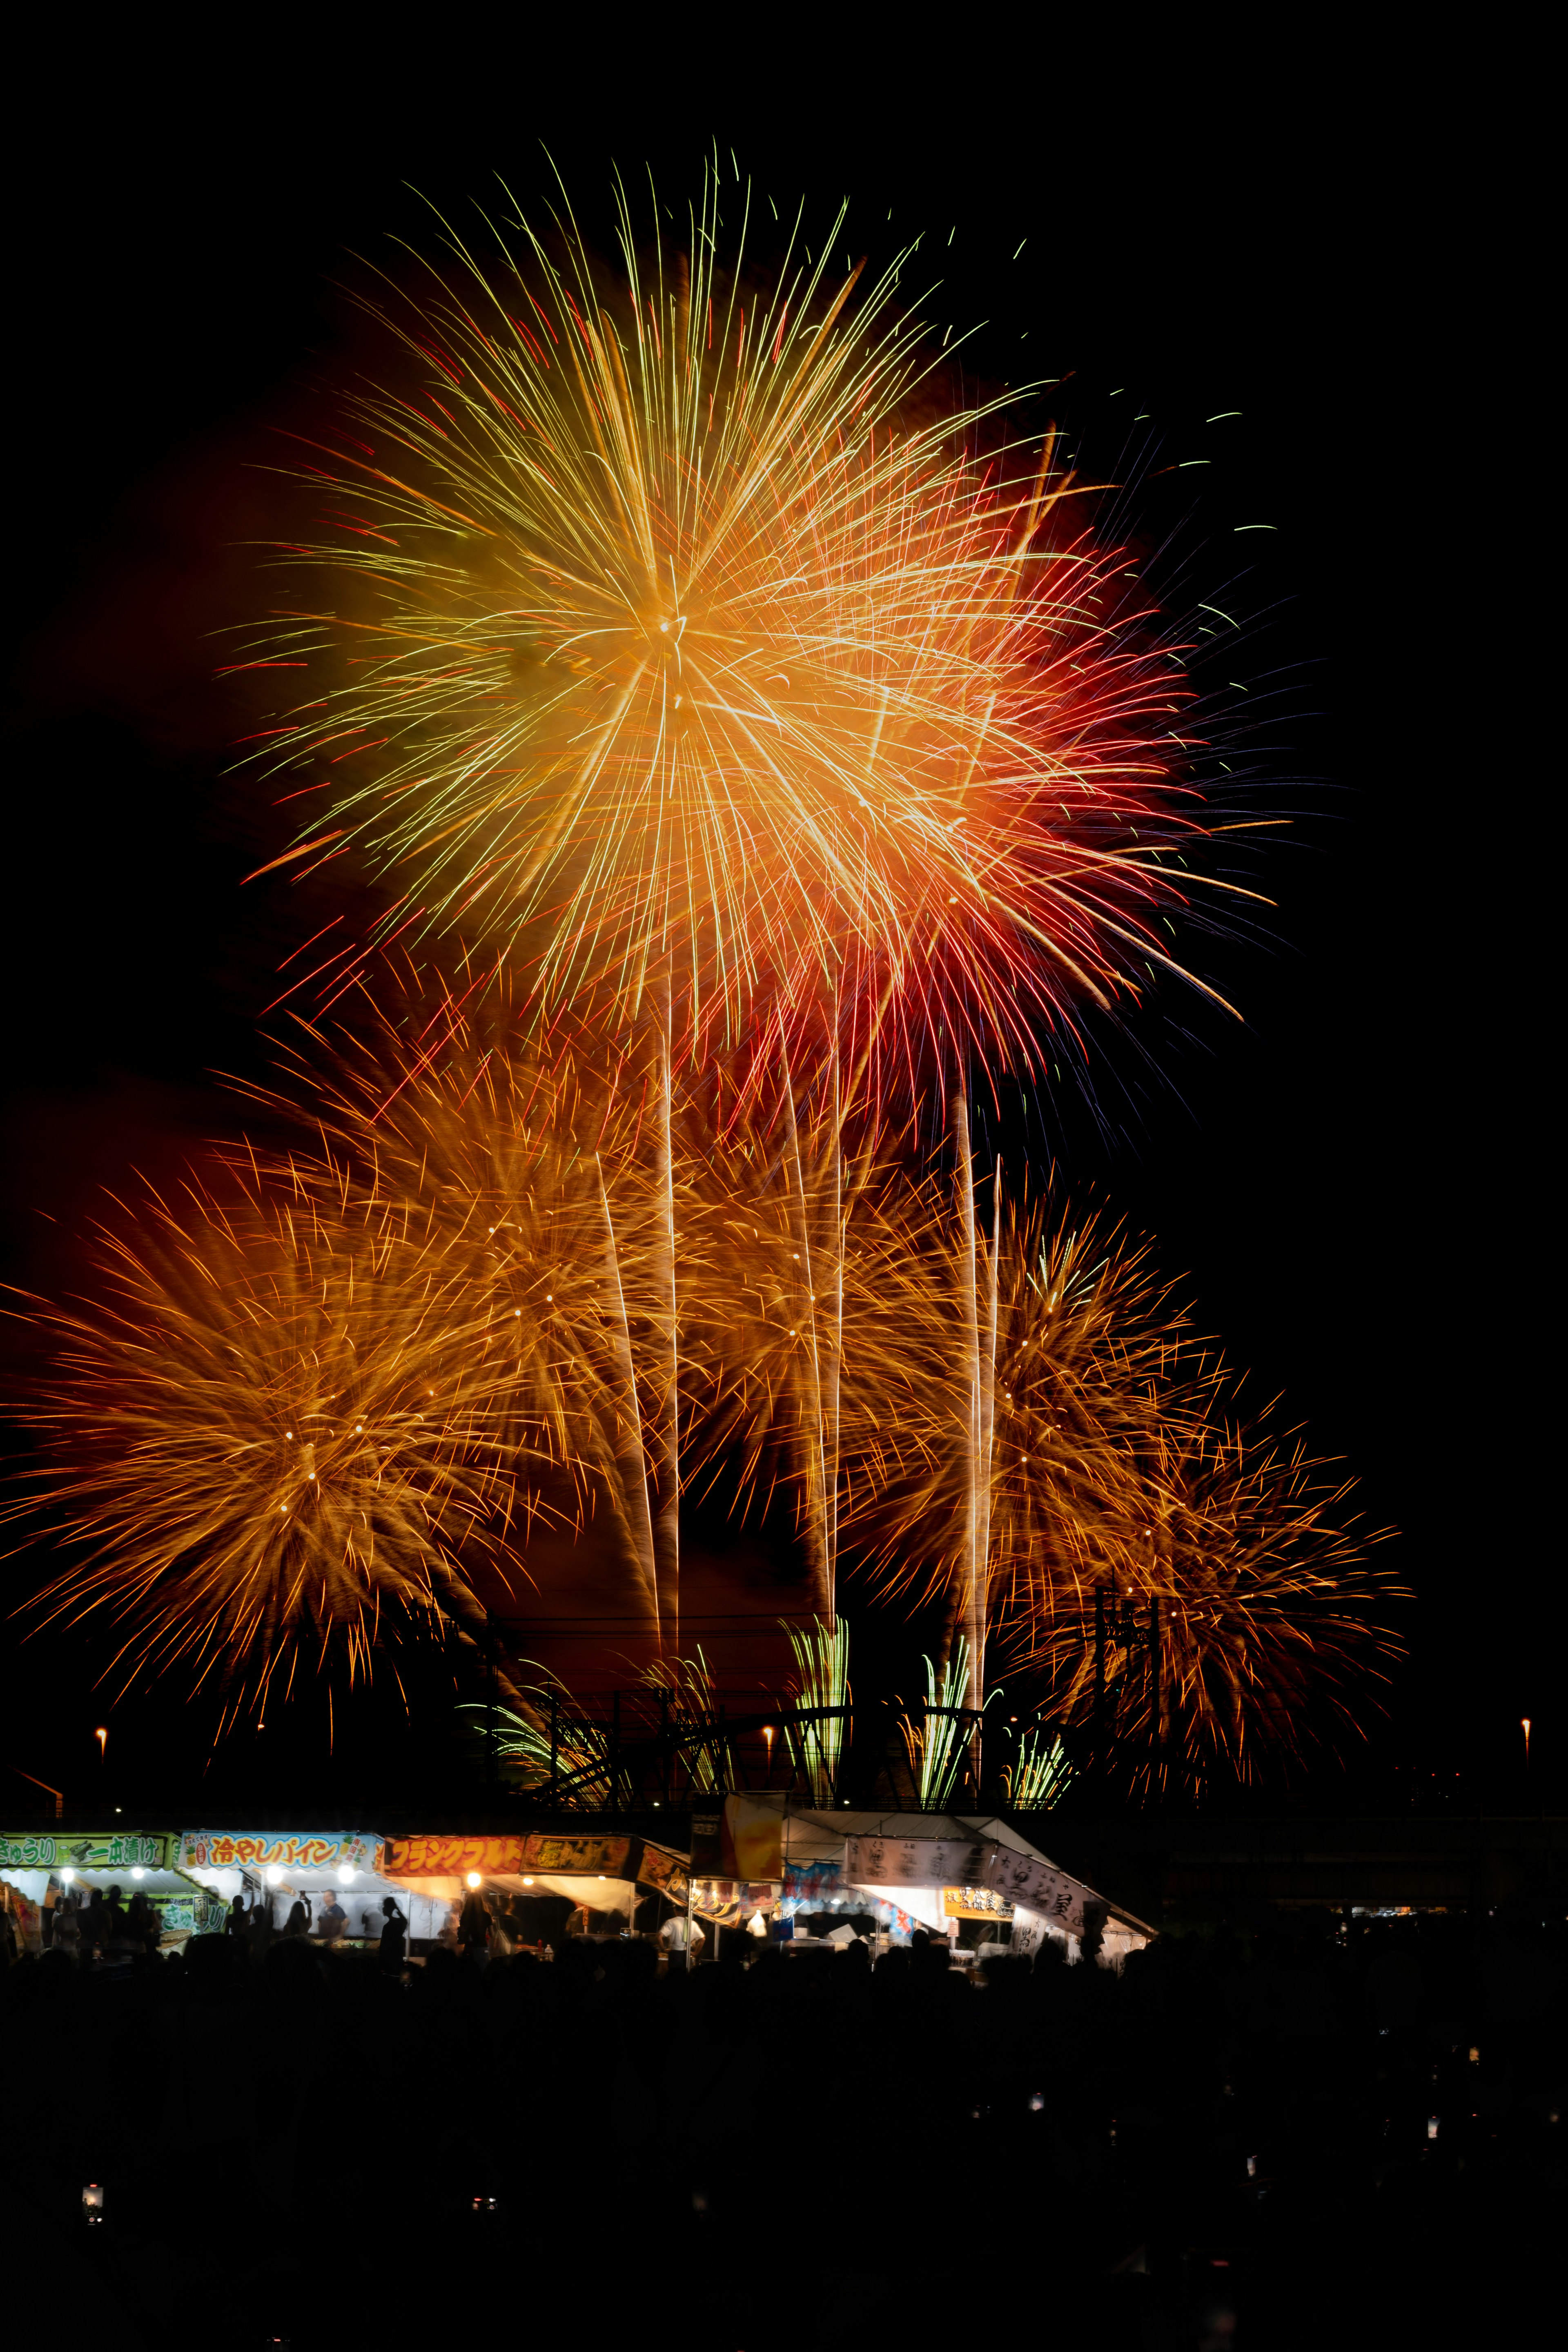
x=1228, y=2146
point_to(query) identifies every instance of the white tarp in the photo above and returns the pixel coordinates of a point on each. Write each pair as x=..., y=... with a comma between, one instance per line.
x=1037, y=1885
x=879, y=1861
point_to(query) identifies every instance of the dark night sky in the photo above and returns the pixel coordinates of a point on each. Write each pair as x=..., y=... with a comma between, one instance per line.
x=1356, y=1180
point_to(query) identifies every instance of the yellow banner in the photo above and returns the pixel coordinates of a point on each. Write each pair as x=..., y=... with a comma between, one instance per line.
x=973, y=1903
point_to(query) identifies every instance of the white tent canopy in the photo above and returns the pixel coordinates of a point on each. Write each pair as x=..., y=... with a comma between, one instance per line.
x=895, y=1856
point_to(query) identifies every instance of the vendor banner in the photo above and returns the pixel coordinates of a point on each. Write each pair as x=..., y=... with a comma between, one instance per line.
x=1031, y=1883
x=750, y=1840
x=664, y=1872
x=973, y=1903
x=915, y=1861
x=813, y=1881
x=89, y=1850
x=258, y=1849
x=506, y=1857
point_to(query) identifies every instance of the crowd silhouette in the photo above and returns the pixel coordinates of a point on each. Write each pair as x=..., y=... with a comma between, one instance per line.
x=1310, y=2131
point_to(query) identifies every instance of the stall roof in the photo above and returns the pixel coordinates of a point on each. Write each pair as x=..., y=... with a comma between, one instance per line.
x=814, y=1833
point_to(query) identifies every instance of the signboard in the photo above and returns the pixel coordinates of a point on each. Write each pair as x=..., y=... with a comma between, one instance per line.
x=978, y=1864
x=256, y=1850
x=1029, y=1932
x=89, y=1850
x=1032, y=1884
x=706, y=1850
x=973, y=1903
x=664, y=1871
x=915, y=1861
x=506, y=1857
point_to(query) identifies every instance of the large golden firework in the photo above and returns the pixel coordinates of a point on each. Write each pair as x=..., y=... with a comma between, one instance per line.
x=672, y=635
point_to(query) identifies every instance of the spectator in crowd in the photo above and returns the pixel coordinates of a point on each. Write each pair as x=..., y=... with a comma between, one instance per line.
x=682, y=1939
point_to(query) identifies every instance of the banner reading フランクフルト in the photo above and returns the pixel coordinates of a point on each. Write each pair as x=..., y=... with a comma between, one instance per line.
x=541, y=1852
x=83, y=1850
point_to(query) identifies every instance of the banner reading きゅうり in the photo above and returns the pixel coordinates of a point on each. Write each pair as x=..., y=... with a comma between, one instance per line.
x=84, y=1850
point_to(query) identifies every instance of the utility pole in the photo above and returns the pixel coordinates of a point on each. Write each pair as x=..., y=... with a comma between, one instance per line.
x=492, y=1726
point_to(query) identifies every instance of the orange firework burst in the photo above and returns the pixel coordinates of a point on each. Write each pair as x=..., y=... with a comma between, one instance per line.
x=1262, y=1598
x=666, y=645
x=289, y=1423
x=1029, y=1429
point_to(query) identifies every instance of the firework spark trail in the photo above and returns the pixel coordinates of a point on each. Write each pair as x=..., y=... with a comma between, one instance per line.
x=1115, y=1468
x=1263, y=1594
x=574, y=1188
x=662, y=637
x=1079, y=1332
x=288, y=1426
x=798, y=1245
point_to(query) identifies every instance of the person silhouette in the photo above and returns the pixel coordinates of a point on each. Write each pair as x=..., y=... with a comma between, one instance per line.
x=95, y=1922
x=143, y=1925
x=392, y=1935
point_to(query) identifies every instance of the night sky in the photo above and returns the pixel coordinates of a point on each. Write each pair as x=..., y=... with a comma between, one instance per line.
x=1355, y=1180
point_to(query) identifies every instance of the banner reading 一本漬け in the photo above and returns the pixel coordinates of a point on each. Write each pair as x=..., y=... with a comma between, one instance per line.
x=83, y=1850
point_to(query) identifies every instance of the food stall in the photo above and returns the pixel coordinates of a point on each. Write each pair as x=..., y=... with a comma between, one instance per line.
x=274, y=1869
x=815, y=1877
x=50, y=1874
x=549, y=1883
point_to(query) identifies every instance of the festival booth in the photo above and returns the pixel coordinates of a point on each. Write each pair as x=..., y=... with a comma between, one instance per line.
x=326, y=1870
x=771, y=1867
x=547, y=1883
x=47, y=1872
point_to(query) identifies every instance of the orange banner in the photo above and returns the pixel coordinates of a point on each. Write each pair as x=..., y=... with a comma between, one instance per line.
x=664, y=1871
x=447, y=1857
x=506, y=1857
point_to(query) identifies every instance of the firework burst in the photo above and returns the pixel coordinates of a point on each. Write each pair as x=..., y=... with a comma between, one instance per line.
x=667, y=646
x=1262, y=1595
x=1016, y=1376
x=289, y=1423
x=556, y=1189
